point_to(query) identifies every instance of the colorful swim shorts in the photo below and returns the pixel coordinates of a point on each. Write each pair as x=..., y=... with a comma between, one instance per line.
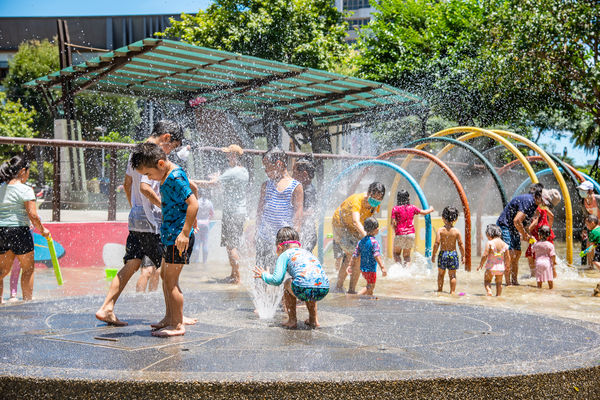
x=448, y=260
x=370, y=276
x=309, y=293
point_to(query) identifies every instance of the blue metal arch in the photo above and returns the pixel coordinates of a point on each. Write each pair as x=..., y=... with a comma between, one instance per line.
x=332, y=184
x=548, y=171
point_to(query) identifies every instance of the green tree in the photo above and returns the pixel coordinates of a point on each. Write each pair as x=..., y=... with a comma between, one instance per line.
x=309, y=33
x=15, y=121
x=550, y=47
x=33, y=59
x=436, y=49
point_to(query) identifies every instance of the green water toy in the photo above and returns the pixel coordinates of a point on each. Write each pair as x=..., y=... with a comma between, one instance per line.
x=55, y=264
x=586, y=251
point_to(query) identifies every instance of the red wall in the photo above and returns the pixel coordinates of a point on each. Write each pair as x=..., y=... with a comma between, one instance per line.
x=83, y=242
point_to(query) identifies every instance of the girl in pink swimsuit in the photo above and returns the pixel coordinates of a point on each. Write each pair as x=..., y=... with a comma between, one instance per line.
x=495, y=257
x=545, y=259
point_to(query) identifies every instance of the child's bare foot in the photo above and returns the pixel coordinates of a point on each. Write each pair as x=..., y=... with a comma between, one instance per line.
x=110, y=318
x=163, y=322
x=290, y=324
x=169, y=331
x=489, y=292
x=313, y=325
x=351, y=292
x=452, y=292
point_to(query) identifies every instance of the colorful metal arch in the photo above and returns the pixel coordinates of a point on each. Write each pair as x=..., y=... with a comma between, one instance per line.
x=473, y=133
x=486, y=163
x=574, y=175
x=386, y=164
x=539, y=174
x=457, y=185
x=561, y=183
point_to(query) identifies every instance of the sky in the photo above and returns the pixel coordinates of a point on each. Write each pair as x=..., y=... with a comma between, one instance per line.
x=579, y=155
x=67, y=8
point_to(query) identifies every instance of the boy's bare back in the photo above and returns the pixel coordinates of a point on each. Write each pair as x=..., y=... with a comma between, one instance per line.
x=448, y=238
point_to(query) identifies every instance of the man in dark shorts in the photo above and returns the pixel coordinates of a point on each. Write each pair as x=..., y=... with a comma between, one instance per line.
x=511, y=222
x=234, y=182
x=144, y=221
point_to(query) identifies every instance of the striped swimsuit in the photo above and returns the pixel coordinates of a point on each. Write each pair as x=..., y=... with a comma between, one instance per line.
x=278, y=210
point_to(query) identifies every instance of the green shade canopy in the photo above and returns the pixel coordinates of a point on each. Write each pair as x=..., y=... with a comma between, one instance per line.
x=177, y=71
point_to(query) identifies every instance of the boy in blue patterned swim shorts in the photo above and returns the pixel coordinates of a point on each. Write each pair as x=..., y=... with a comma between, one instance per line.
x=446, y=239
x=308, y=281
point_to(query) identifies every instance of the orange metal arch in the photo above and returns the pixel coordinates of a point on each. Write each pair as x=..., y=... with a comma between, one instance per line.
x=457, y=185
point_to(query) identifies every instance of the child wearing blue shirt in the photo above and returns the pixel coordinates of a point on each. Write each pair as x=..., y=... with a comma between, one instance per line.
x=308, y=281
x=179, y=209
x=368, y=254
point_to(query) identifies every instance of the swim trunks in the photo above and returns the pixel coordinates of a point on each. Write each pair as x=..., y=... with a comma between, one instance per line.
x=370, y=276
x=309, y=293
x=448, y=260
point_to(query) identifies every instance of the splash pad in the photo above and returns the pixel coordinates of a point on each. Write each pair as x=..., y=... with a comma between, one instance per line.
x=388, y=347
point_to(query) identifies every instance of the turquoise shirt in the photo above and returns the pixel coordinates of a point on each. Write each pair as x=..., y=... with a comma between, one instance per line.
x=304, y=268
x=12, y=204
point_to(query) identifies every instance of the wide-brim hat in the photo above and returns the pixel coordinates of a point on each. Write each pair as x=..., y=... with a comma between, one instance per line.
x=586, y=185
x=551, y=197
x=233, y=148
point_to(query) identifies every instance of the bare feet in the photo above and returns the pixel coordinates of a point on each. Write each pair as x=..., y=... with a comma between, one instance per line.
x=290, y=324
x=313, y=325
x=351, y=292
x=169, y=331
x=515, y=283
x=110, y=318
x=163, y=322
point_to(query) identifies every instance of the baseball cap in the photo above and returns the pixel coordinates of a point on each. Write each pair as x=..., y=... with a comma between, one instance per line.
x=586, y=185
x=233, y=148
x=551, y=197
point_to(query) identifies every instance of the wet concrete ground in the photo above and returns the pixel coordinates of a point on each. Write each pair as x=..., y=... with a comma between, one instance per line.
x=526, y=338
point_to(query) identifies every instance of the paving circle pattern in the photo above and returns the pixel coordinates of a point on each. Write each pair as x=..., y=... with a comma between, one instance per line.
x=385, y=339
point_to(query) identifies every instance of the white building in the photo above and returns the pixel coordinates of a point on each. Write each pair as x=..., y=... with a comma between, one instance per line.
x=362, y=11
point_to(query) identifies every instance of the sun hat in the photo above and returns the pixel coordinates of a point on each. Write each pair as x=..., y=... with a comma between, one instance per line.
x=233, y=148
x=586, y=185
x=551, y=197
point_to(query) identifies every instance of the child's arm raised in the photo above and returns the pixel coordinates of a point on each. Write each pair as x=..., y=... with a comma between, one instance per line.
x=436, y=245
x=278, y=275
x=426, y=212
x=183, y=239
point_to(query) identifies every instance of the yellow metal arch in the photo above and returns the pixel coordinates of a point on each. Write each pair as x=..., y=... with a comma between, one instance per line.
x=561, y=183
x=473, y=133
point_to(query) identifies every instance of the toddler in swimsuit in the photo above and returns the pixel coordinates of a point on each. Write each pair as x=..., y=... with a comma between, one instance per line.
x=308, y=281
x=545, y=258
x=368, y=254
x=495, y=257
x=446, y=239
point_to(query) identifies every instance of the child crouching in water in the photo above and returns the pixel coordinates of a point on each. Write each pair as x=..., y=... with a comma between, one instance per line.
x=545, y=258
x=446, y=239
x=495, y=257
x=308, y=281
x=368, y=254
